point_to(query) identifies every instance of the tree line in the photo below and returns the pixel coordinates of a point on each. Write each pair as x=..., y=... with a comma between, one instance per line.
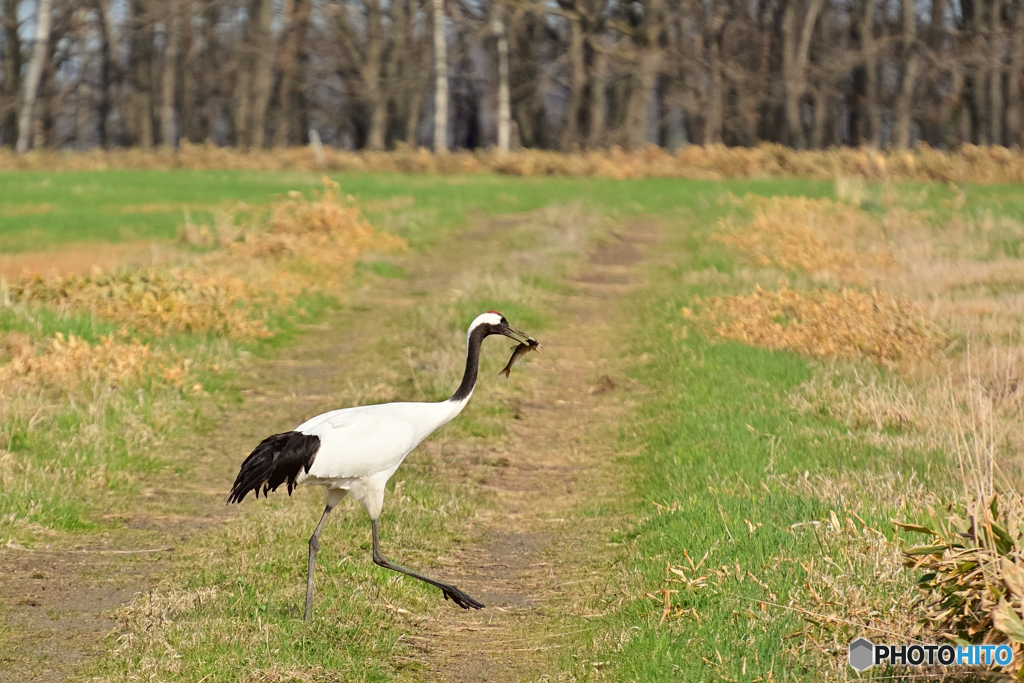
x=560, y=74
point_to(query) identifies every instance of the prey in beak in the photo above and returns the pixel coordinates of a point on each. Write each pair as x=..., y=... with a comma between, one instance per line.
x=526, y=344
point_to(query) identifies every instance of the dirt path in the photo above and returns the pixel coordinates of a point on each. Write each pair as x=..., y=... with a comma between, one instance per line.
x=533, y=556
x=537, y=558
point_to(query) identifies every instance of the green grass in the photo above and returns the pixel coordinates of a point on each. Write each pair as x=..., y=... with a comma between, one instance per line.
x=90, y=206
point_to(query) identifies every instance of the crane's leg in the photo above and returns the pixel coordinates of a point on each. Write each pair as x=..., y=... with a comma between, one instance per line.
x=314, y=546
x=450, y=592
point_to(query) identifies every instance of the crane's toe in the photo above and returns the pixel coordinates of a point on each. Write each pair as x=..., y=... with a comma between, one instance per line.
x=461, y=599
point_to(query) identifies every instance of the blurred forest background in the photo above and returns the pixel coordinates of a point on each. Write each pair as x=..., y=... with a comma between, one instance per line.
x=561, y=74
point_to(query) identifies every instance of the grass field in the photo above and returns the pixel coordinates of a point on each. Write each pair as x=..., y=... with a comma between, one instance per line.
x=757, y=444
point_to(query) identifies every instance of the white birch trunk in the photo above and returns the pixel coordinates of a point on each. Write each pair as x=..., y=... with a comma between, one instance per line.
x=35, y=74
x=441, y=89
x=504, y=101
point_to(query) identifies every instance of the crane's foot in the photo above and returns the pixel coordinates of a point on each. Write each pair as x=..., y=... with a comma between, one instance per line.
x=459, y=598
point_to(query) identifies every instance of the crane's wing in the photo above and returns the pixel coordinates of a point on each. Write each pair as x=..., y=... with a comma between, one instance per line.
x=359, y=442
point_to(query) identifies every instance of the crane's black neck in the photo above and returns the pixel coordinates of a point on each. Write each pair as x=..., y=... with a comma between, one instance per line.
x=476, y=339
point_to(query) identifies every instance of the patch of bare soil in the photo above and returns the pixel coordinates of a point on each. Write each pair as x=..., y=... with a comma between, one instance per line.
x=58, y=602
x=82, y=258
x=537, y=558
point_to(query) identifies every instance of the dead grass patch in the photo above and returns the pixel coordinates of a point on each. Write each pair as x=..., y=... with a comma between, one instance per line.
x=153, y=207
x=826, y=239
x=973, y=582
x=857, y=587
x=311, y=245
x=62, y=362
x=151, y=611
x=15, y=210
x=968, y=164
x=846, y=324
x=153, y=300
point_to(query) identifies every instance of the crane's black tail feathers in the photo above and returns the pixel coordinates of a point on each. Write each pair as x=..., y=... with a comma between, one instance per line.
x=278, y=458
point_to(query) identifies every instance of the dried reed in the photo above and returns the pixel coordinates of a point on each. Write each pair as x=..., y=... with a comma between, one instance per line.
x=968, y=164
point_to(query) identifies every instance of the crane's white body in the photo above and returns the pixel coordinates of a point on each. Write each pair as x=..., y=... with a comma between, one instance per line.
x=361, y=447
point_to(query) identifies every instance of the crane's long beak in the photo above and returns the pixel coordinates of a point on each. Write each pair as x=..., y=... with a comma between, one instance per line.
x=519, y=336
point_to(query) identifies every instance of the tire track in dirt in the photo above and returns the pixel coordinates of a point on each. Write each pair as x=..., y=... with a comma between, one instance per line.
x=537, y=559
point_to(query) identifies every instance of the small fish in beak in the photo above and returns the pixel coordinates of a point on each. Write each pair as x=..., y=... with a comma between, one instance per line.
x=518, y=353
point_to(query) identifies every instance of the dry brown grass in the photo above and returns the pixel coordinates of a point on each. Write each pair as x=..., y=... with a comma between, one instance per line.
x=968, y=164
x=63, y=362
x=311, y=245
x=973, y=584
x=845, y=324
x=859, y=587
x=154, y=301
x=826, y=239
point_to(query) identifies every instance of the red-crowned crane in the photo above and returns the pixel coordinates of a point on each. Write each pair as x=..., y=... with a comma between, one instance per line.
x=355, y=451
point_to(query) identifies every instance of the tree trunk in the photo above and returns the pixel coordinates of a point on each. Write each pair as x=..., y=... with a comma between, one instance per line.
x=1014, y=99
x=35, y=73
x=818, y=125
x=905, y=99
x=188, y=87
x=83, y=106
x=372, y=73
x=106, y=37
x=263, y=78
x=639, y=104
x=869, y=51
x=795, y=54
x=996, y=46
x=296, y=16
x=952, y=101
x=504, y=105
x=140, y=117
x=577, y=82
x=172, y=28
x=413, y=72
x=11, y=73
x=713, y=123
x=647, y=65
x=598, y=98
x=244, y=56
x=441, y=87
x=210, y=77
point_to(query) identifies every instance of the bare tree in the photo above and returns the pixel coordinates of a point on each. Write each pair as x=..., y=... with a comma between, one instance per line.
x=289, y=129
x=11, y=72
x=441, y=79
x=263, y=76
x=504, y=114
x=172, y=31
x=1015, y=82
x=905, y=98
x=796, y=36
x=561, y=74
x=35, y=73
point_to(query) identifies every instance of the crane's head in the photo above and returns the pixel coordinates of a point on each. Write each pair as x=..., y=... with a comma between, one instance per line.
x=493, y=322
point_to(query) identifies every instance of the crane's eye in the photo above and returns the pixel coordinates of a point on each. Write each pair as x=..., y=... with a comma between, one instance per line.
x=503, y=321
